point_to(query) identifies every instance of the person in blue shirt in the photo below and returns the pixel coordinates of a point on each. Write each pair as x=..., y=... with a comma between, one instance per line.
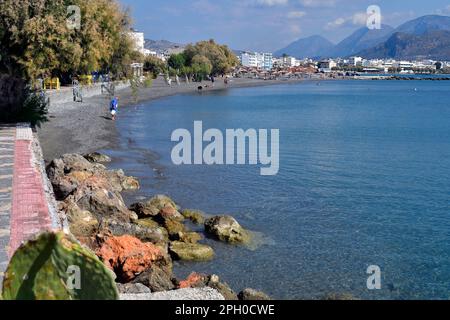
x=114, y=107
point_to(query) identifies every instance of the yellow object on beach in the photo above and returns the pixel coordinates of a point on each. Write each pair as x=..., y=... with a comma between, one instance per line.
x=52, y=84
x=86, y=80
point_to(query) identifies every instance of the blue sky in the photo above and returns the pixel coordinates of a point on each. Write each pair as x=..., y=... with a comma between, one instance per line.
x=267, y=25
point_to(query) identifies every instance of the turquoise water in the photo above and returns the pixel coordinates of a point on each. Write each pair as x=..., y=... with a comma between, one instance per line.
x=364, y=180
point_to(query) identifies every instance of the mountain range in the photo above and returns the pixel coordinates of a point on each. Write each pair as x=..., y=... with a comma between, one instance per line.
x=161, y=45
x=424, y=37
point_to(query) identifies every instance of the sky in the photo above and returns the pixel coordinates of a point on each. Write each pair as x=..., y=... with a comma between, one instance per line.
x=267, y=25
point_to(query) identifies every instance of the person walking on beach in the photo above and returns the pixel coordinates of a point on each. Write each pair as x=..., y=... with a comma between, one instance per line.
x=114, y=108
x=212, y=80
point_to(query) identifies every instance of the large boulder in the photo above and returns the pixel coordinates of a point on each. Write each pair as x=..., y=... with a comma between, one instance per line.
x=174, y=228
x=189, y=237
x=153, y=207
x=146, y=234
x=157, y=279
x=128, y=257
x=96, y=157
x=103, y=202
x=82, y=223
x=190, y=251
x=253, y=295
x=120, y=181
x=227, y=229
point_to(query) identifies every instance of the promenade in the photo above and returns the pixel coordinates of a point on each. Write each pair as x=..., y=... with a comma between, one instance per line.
x=24, y=206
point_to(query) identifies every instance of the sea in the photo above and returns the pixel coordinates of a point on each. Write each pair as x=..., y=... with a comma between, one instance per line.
x=363, y=185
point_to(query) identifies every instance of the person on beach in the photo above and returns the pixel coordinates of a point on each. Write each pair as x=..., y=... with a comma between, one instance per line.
x=212, y=80
x=114, y=108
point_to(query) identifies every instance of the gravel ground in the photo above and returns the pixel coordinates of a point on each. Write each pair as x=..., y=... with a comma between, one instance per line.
x=203, y=294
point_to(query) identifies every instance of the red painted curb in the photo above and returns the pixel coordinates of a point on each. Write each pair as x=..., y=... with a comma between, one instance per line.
x=29, y=210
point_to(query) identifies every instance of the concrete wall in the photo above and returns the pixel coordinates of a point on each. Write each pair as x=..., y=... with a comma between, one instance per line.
x=66, y=93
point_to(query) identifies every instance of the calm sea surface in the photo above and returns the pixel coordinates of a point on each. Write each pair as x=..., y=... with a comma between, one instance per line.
x=364, y=180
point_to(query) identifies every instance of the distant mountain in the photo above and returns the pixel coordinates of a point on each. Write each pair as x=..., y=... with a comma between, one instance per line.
x=361, y=39
x=161, y=45
x=314, y=46
x=434, y=45
x=424, y=37
x=425, y=24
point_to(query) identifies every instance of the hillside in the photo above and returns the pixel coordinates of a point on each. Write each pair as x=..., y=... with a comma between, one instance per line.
x=161, y=45
x=433, y=45
x=361, y=39
x=314, y=46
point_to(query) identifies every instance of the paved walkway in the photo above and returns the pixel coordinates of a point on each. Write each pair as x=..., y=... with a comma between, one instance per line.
x=7, y=137
x=24, y=210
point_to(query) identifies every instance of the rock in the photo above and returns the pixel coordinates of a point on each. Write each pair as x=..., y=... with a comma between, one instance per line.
x=120, y=181
x=82, y=223
x=152, y=207
x=128, y=257
x=143, y=210
x=148, y=222
x=130, y=183
x=190, y=252
x=189, y=237
x=96, y=157
x=195, y=216
x=174, y=228
x=227, y=229
x=189, y=294
x=156, y=279
x=169, y=212
x=146, y=234
x=196, y=280
x=133, y=288
x=102, y=202
x=90, y=186
x=213, y=281
x=253, y=295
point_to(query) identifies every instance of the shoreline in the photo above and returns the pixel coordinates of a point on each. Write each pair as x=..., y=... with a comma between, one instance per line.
x=87, y=127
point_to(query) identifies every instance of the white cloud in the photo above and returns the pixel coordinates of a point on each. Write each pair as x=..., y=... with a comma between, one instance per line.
x=296, y=14
x=358, y=19
x=444, y=11
x=271, y=3
x=318, y=3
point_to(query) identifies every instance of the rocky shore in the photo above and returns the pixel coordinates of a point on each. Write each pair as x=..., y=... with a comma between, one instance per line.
x=139, y=243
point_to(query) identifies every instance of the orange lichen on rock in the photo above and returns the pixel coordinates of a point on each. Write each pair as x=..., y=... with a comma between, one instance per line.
x=128, y=257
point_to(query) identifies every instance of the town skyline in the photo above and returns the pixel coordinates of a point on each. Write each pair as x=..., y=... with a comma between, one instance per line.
x=269, y=25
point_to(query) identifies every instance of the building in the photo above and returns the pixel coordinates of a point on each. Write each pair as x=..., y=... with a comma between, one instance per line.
x=355, y=61
x=138, y=40
x=327, y=64
x=257, y=60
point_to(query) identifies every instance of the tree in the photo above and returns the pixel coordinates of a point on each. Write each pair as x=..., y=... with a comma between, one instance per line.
x=201, y=67
x=154, y=65
x=36, y=41
x=221, y=58
x=177, y=61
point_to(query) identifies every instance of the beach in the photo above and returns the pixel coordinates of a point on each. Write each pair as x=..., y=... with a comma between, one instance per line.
x=87, y=127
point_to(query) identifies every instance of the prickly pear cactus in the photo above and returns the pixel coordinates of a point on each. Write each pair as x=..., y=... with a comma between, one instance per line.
x=56, y=267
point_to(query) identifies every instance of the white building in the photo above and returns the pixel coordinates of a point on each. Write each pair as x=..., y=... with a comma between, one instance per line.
x=356, y=61
x=138, y=40
x=257, y=60
x=327, y=65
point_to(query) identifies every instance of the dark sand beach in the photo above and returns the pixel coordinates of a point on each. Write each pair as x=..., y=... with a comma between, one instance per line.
x=87, y=127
